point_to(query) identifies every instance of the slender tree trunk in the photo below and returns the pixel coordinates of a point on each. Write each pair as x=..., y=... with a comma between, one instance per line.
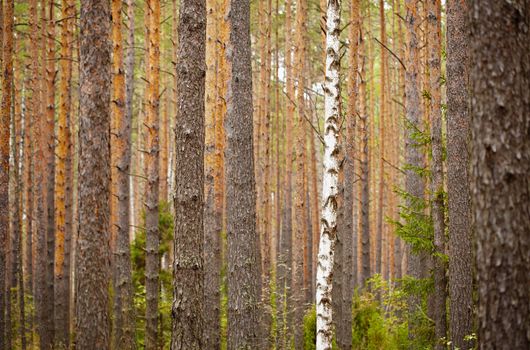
x=330, y=179
x=124, y=326
x=414, y=183
x=364, y=148
x=265, y=166
x=243, y=242
x=5, y=121
x=349, y=232
x=92, y=251
x=18, y=146
x=188, y=309
x=458, y=193
x=47, y=342
x=437, y=184
x=61, y=282
x=382, y=125
x=212, y=219
x=151, y=123
x=285, y=253
x=500, y=159
x=37, y=203
x=300, y=211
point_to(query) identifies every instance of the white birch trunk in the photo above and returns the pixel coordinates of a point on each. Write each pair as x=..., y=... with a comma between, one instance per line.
x=329, y=180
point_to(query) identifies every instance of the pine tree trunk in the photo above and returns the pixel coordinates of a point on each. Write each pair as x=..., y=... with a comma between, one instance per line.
x=264, y=165
x=151, y=198
x=349, y=230
x=329, y=180
x=189, y=191
x=243, y=242
x=458, y=193
x=61, y=282
x=285, y=251
x=47, y=342
x=414, y=183
x=437, y=183
x=124, y=327
x=364, y=149
x=5, y=128
x=18, y=146
x=300, y=212
x=92, y=250
x=382, y=125
x=500, y=163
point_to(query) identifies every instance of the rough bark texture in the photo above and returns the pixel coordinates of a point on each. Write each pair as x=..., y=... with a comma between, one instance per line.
x=123, y=337
x=152, y=163
x=92, y=249
x=414, y=183
x=458, y=193
x=188, y=309
x=500, y=160
x=437, y=182
x=265, y=219
x=383, y=124
x=300, y=211
x=62, y=276
x=49, y=134
x=243, y=243
x=329, y=180
x=349, y=265
x=212, y=218
x=5, y=121
x=364, y=140
x=285, y=245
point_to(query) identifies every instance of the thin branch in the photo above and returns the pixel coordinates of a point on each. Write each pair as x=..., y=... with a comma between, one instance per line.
x=392, y=53
x=305, y=117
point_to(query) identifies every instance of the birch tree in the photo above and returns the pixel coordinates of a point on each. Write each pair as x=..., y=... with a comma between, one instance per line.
x=330, y=178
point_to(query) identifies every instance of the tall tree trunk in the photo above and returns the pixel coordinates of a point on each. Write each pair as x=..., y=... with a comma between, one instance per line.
x=5, y=130
x=364, y=149
x=349, y=231
x=92, y=251
x=285, y=253
x=189, y=190
x=47, y=342
x=414, y=183
x=458, y=193
x=382, y=125
x=18, y=170
x=264, y=165
x=212, y=219
x=151, y=123
x=330, y=179
x=61, y=282
x=124, y=326
x=500, y=159
x=243, y=242
x=37, y=213
x=437, y=184
x=300, y=211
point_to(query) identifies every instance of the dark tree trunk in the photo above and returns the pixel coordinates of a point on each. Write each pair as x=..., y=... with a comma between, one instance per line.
x=5, y=121
x=500, y=160
x=458, y=194
x=243, y=243
x=188, y=309
x=93, y=242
